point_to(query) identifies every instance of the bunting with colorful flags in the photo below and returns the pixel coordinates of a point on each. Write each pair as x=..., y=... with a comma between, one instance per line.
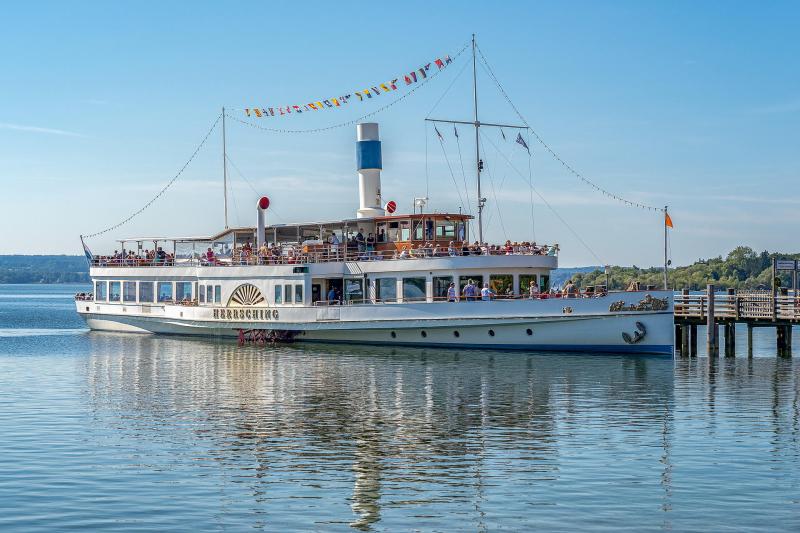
x=410, y=78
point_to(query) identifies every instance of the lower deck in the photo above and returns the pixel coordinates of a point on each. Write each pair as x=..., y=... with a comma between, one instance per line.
x=631, y=322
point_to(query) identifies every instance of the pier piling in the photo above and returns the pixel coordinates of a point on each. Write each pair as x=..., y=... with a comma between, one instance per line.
x=712, y=343
x=730, y=339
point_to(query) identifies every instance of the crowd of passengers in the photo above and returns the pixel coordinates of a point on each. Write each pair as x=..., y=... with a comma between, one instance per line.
x=358, y=247
x=157, y=257
x=470, y=292
x=363, y=249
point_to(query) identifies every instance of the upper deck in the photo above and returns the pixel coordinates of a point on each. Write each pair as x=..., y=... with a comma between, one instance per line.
x=401, y=237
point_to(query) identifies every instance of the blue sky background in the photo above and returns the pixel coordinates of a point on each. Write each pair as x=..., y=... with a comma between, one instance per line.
x=695, y=105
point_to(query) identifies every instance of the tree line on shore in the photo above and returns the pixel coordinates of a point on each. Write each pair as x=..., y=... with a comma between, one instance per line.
x=743, y=268
x=43, y=269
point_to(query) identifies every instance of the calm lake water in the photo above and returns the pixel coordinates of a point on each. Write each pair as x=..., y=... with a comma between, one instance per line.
x=134, y=432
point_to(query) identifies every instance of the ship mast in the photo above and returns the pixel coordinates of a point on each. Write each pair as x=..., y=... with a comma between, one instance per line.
x=478, y=163
x=477, y=124
x=224, y=170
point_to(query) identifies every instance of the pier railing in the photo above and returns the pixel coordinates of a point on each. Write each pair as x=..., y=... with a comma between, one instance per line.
x=739, y=306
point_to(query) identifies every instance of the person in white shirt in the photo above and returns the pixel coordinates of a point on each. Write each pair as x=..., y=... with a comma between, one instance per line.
x=486, y=293
x=333, y=240
x=533, y=290
x=452, y=293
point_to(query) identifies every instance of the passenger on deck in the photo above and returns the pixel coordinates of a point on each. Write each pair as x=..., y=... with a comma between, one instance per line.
x=263, y=254
x=487, y=294
x=332, y=297
x=381, y=235
x=370, y=244
x=333, y=240
x=210, y=259
x=452, y=293
x=533, y=290
x=570, y=290
x=465, y=250
x=452, y=251
x=470, y=291
x=360, y=241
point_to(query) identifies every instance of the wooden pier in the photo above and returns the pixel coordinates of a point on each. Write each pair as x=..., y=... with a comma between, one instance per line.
x=753, y=309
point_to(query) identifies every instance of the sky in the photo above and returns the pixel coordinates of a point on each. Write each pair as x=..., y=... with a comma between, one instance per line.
x=694, y=105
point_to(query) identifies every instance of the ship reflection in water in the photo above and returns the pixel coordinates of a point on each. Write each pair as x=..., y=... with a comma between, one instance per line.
x=437, y=434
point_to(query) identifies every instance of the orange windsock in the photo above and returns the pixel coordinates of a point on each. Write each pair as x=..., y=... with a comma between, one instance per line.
x=668, y=220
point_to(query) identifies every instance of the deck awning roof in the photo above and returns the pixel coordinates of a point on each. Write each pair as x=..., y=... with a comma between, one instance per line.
x=296, y=227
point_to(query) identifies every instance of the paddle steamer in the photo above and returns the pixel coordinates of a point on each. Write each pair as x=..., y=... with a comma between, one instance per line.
x=314, y=282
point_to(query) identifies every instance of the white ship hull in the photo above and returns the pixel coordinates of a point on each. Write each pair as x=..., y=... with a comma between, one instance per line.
x=583, y=324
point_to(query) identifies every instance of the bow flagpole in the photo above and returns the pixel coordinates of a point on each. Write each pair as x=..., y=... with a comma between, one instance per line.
x=667, y=224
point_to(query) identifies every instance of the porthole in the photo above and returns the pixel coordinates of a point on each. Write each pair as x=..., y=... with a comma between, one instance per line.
x=393, y=334
x=456, y=334
x=423, y=333
x=529, y=331
x=491, y=333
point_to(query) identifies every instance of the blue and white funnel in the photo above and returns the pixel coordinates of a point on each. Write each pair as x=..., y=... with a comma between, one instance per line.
x=369, y=165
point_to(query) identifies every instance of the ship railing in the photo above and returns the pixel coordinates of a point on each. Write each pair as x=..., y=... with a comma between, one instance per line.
x=288, y=256
x=458, y=299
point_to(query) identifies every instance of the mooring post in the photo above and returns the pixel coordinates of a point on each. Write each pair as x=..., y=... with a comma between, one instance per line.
x=749, y=339
x=685, y=340
x=784, y=338
x=693, y=340
x=780, y=340
x=730, y=327
x=730, y=339
x=712, y=345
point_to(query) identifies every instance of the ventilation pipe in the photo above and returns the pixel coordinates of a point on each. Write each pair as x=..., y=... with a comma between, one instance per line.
x=263, y=204
x=369, y=165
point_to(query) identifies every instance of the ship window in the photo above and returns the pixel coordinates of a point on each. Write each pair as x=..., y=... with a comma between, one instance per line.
x=405, y=230
x=217, y=294
x=440, y=286
x=446, y=230
x=100, y=291
x=298, y=294
x=418, y=230
x=525, y=284
x=287, y=294
x=461, y=231
x=378, y=228
x=164, y=291
x=394, y=232
x=354, y=290
x=183, y=291
x=278, y=294
x=386, y=289
x=544, y=282
x=209, y=293
x=146, y=291
x=201, y=293
x=502, y=284
x=114, y=291
x=413, y=289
